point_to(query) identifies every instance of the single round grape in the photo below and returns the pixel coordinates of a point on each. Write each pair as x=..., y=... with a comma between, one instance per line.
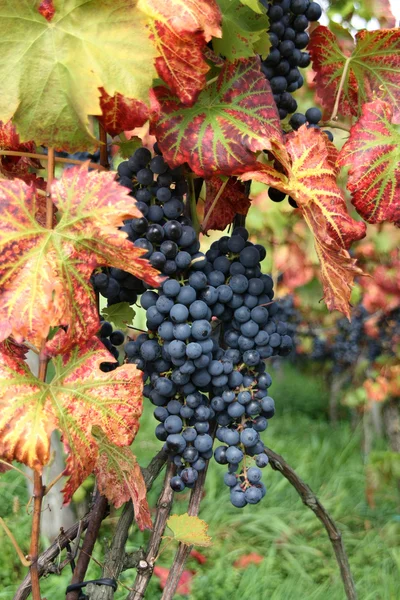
x=254, y=475
x=177, y=349
x=189, y=434
x=220, y=455
x=249, y=437
x=238, y=499
x=201, y=329
x=253, y=495
x=262, y=460
x=117, y=337
x=173, y=424
x=189, y=475
x=268, y=407
x=158, y=165
x=177, y=484
x=313, y=12
x=313, y=115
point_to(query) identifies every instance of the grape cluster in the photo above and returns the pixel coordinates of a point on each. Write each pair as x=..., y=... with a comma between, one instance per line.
x=111, y=338
x=209, y=333
x=289, y=20
x=163, y=231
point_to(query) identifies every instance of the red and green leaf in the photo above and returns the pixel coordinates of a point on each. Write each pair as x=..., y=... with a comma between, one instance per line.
x=312, y=183
x=180, y=32
x=16, y=166
x=370, y=71
x=79, y=397
x=121, y=114
x=47, y=9
x=232, y=200
x=120, y=479
x=234, y=118
x=44, y=274
x=373, y=154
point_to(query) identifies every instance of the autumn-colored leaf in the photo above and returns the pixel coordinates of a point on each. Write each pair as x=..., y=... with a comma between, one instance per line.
x=373, y=154
x=86, y=46
x=47, y=9
x=248, y=559
x=180, y=32
x=16, y=166
x=371, y=70
x=44, y=274
x=233, y=200
x=381, y=10
x=188, y=530
x=312, y=183
x=185, y=582
x=120, y=479
x=121, y=114
x=233, y=118
x=198, y=556
x=79, y=397
x=382, y=290
x=294, y=266
x=244, y=31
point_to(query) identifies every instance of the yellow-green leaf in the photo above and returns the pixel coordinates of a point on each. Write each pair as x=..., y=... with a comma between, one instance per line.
x=120, y=314
x=191, y=531
x=51, y=71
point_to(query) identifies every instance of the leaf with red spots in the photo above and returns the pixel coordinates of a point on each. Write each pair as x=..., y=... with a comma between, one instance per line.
x=234, y=118
x=79, y=397
x=121, y=114
x=373, y=154
x=46, y=9
x=222, y=205
x=311, y=181
x=180, y=31
x=120, y=479
x=371, y=70
x=185, y=582
x=16, y=166
x=44, y=274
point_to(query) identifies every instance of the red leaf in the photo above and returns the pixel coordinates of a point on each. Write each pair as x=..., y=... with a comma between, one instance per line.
x=46, y=9
x=234, y=118
x=185, y=582
x=311, y=181
x=233, y=200
x=372, y=153
x=16, y=166
x=120, y=479
x=120, y=113
x=201, y=559
x=248, y=559
x=372, y=69
x=180, y=32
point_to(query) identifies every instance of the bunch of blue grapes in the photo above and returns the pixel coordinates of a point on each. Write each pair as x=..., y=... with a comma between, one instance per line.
x=209, y=333
x=111, y=338
x=289, y=20
x=163, y=231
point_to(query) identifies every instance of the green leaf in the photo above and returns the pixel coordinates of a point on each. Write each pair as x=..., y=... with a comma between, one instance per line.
x=120, y=314
x=243, y=31
x=128, y=147
x=191, y=531
x=254, y=5
x=51, y=72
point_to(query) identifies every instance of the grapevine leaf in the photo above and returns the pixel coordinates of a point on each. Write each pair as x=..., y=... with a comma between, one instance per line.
x=254, y=5
x=120, y=479
x=373, y=154
x=46, y=9
x=121, y=114
x=371, y=70
x=184, y=586
x=233, y=200
x=312, y=183
x=87, y=45
x=79, y=397
x=233, y=118
x=180, y=31
x=44, y=274
x=121, y=314
x=128, y=147
x=191, y=531
x=16, y=166
x=242, y=30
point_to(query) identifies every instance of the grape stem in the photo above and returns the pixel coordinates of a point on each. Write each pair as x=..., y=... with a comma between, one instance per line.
x=278, y=463
x=57, y=159
x=213, y=205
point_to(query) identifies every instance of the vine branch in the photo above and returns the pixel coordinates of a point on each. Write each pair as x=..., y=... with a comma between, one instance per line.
x=340, y=89
x=213, y=205
x=46, y=559
x=57, y=159
x=308, y=497
x=145, y=567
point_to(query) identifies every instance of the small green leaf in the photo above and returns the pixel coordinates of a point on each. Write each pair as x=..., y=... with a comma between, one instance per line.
x=254, y=5
x=120, y=314
x=191, y=531
x=244, y=32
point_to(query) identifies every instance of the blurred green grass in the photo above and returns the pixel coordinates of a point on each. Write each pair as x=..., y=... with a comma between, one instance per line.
x=298, y=563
